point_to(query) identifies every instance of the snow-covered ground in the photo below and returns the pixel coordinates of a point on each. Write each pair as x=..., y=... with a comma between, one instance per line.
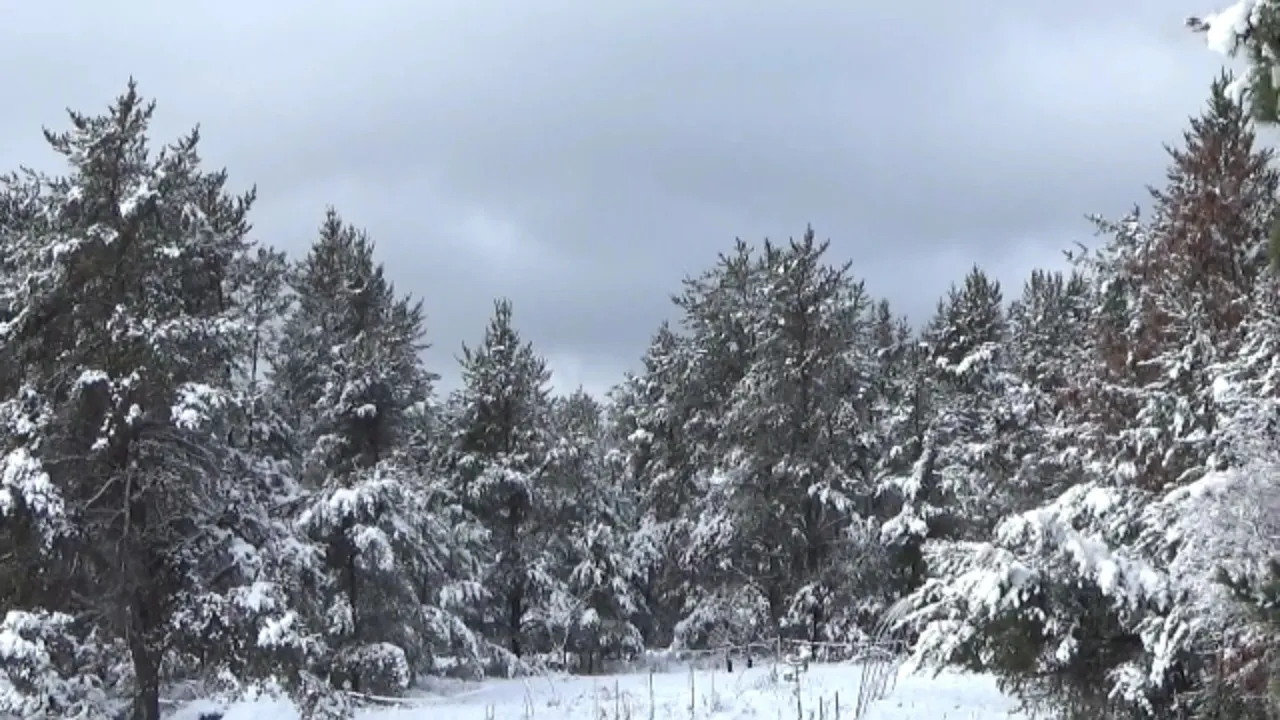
x=827, y=692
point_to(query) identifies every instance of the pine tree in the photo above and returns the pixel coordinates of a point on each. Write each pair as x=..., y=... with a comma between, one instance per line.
x=1250, y=28
x=790, y=458
x=1102, y=600
x=814, y=374
x=350, y=377
x=1049, y=329
x=264, y=300
x=651, y=409
x=1177, y=287
x=720, y=321
x=903, y=449
x=121, y=327
x=502, y=452
x=593, y=522
x=1243, y=674
x=719, y=309
x=970, y=419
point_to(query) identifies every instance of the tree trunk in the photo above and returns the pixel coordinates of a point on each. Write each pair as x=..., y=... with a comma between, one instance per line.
x=774, y=594
x=146, y=670
x=515, y=612
x=515, y=598
x=145, y=603
x=353, y=596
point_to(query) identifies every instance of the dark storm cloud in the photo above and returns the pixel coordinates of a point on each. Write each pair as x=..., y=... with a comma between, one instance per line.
x=580, y=157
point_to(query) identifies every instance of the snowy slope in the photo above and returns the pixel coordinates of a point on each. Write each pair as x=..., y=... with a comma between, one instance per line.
x=717, y=695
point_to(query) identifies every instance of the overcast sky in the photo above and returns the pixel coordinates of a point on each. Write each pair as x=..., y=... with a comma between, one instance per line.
x=581, y=156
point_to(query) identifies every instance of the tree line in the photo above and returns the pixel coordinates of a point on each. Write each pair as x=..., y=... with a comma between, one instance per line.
x=228, y=468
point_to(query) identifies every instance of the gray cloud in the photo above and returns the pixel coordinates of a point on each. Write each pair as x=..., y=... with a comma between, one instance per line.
x=582, y=157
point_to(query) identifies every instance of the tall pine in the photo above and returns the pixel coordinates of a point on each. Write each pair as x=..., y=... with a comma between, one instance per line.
x=502, y=454
x=119, y=338
x=349, y=376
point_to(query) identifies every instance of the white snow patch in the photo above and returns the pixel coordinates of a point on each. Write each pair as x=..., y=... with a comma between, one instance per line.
x=1223, y=29
x=753, y=693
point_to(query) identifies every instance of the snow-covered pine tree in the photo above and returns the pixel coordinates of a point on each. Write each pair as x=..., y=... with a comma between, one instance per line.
x=1176, y=289
x=264, y=300
x=449, y=578
x=720, y=308
x=264, y=560
x=909, y=487
x=23, y=571
x=1103, y=600
x=655, y=457
x=898, y=425
x=117, y=479
x=261, y=451
x=350, y=378
x=969, y=467
x=502, y=453
x=569, y=492
x=1049, y=341
x=719, y=311
x=903, y=448
x=1237, y=524
x=593, y=518
x=790, y=492
x=813, y=377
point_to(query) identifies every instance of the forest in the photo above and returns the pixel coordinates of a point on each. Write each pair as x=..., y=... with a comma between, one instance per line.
x=228, y=468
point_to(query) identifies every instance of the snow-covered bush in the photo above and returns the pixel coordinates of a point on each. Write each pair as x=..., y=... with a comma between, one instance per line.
x=380, y=668
x=43, y=664
x=1110, y=599
x=732, y=616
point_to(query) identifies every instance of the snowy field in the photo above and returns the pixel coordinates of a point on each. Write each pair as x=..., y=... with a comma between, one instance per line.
x=827, y=692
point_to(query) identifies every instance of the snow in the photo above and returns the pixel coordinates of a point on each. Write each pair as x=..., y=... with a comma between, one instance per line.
x=277, y=632
x=1226, y=32
x=136, y=198
x=194, y=405
x=258, y=597
x=1224, y=29
x=23, y=479
x=759, y=692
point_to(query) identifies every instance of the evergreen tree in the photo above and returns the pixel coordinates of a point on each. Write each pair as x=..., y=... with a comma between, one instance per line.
x=502, y=452
x=350, y=377
x=720, y=321
x=903, y=448
x=656, y=459
x=264, y=301
x=1102, y=600
x=1176, y=289
x=1250, y=28
x=966, y=342
x=814, y=376
x=121, y=333
x=593, y=526
x=791, y=453
x=1049, y=328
